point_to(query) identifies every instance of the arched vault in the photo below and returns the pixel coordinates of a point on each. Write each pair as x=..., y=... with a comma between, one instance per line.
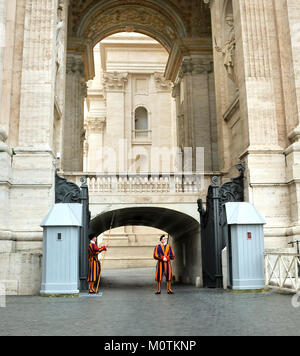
x=176, y=223
x=103, y=18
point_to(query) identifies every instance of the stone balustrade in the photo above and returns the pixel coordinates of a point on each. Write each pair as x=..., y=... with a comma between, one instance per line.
x=140, y=183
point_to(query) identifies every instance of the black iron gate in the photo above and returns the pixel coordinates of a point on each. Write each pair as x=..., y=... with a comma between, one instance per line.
x=69, y=192
x=212, y=225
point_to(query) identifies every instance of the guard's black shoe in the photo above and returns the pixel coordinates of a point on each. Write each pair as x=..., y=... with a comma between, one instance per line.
x=157, y=293
x=170, y=292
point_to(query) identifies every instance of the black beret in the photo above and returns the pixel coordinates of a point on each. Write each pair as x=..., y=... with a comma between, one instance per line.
x=91, y=236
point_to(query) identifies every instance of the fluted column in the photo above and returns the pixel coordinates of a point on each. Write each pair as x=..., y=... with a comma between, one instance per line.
x=2, y=39
x=291, y=87
x=32, y=164
x=76, y=91
x=256, y=82
x=38, y=74
x=257, y=59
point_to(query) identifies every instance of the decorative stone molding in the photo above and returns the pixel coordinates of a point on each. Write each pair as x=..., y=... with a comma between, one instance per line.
x=294, y=136
x=130, y=17
x=115, y=80
x=161, y=82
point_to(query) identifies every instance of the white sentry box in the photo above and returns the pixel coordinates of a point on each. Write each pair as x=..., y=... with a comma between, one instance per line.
x=245, y=247
x=60, y=270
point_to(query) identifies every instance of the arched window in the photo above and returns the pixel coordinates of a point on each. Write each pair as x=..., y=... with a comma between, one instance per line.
x=141, y=123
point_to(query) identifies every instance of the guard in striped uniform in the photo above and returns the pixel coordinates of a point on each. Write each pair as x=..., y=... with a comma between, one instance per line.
x=163, y=253
x=94, y=263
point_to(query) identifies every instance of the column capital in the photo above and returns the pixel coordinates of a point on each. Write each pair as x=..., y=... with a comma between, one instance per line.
x=185, y=48
x=115, y=80
x=95, y=123
x=75, y=64
x=84, y=48
x=161, y=82
x=194, y=66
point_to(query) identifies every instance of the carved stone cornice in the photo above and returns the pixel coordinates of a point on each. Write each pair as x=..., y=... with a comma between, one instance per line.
x=115, y=80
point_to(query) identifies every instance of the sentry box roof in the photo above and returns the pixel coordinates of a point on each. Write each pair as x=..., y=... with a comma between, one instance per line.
x=64, y=215
x=243, y=214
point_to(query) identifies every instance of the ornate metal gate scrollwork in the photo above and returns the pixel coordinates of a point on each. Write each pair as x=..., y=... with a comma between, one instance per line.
x=67, y=193
x=212, y=221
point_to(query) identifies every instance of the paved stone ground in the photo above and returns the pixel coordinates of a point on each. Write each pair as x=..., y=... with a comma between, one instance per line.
x=129, y=307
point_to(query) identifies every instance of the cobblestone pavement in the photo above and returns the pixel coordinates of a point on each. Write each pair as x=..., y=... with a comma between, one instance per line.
x=129, y=307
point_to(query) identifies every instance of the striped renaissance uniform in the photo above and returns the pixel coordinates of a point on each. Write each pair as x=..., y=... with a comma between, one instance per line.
x=94, y=264
x=163, y=268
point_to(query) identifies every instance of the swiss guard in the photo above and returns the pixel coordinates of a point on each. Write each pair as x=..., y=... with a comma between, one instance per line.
x=94, y=263
x=163, y=253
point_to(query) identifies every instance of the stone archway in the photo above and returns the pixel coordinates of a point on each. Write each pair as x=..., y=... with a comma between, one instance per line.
x=182, y=227
x=184, y=30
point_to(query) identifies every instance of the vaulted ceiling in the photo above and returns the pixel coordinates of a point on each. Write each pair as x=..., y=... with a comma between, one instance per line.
x=165, y=20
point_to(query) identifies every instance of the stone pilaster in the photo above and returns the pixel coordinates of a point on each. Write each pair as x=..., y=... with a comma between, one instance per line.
x=197, y=116
x=114, y=86
x=94, y=142
x=76, y=91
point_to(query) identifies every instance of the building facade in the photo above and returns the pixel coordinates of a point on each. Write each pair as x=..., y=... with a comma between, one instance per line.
x=234, y=72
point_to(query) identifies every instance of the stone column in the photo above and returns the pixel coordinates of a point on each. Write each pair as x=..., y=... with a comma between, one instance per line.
x=197, y=95
x=33, y=169
x=2, y=39
x=76, y=91
x=256, y=68
x=288, y=14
